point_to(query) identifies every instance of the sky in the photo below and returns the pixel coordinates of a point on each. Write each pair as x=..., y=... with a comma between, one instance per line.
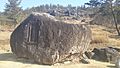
x=30, y=3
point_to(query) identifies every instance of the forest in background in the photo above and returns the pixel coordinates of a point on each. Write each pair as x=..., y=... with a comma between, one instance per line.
x=100, y=12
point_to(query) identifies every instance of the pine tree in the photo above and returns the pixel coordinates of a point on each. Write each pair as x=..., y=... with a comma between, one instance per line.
x=12, y=9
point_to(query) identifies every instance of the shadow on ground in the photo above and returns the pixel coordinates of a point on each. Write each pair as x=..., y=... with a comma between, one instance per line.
x=111, y=66
x=12, y=57
x=29, y=63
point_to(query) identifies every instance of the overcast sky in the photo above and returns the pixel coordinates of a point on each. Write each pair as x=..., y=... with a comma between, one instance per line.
x=30, y=3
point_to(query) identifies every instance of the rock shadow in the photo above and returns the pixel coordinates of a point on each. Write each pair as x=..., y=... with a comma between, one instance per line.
x=12, y=57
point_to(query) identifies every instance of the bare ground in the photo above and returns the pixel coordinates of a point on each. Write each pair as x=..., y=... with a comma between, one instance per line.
x=8, y=60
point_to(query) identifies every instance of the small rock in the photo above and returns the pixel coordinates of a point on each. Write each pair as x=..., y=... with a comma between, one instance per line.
x=118, y=63
x=89, y=54
x=85, y=61
x=108, y=54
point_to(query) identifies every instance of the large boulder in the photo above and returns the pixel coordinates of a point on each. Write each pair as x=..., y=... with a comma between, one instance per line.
x=47, y=41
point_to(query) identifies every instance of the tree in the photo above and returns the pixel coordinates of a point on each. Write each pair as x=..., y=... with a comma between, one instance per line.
x=12, y=9
x=106, y=8
x=93, y=3
x=113, y=13
x=114, y=17
x=47, y=7
x=93, y=6
x=110, y=8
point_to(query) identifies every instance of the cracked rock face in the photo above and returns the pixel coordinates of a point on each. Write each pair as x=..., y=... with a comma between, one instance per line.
x=47, y=41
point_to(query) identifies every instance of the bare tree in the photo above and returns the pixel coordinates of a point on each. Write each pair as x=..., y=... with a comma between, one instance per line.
x=114, y=17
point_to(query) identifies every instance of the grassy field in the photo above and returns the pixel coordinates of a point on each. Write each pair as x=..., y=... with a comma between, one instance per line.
x=102, y=37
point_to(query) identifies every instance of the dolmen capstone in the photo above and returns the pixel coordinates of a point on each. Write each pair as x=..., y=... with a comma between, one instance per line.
x=46, y=40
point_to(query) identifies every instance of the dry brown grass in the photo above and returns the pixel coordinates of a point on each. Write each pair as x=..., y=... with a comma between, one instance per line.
x=98, y=35
x=114, y=42
x=5, y=35
x=100, y=39
x=4, y=40
x=6, y=27
x=102, y=36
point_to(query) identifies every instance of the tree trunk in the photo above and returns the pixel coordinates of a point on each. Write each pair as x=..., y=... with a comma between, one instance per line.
x=115, y=21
